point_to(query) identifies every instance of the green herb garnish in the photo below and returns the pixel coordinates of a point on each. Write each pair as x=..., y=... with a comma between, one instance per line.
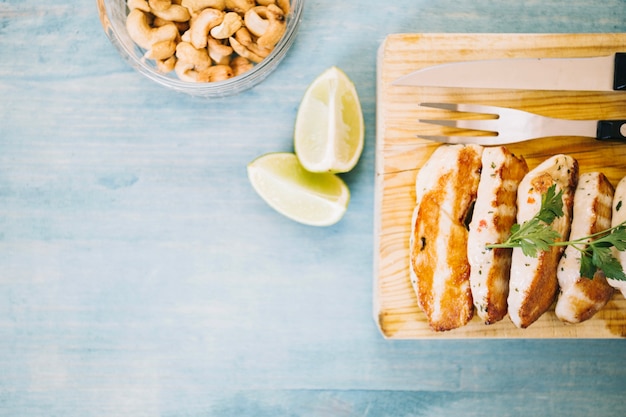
x=596, y=252
x=537, y=235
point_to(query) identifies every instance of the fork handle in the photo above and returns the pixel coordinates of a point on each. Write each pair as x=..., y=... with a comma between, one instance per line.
x=619, y=76
x=611, y=130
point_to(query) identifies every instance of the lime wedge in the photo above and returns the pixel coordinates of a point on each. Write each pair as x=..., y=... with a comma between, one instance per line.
x=329, y=129
x=316, y=199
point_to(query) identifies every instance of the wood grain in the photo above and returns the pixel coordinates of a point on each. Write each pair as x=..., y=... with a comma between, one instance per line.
x=399, y=156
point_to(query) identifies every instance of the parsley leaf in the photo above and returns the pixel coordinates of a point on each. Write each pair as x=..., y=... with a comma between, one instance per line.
x=587, y=267
x=551, y=205
x=603, y=259
x=537, y=234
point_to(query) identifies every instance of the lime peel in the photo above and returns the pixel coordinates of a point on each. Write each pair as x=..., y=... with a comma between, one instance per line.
x=316, y=199
x=329, y=130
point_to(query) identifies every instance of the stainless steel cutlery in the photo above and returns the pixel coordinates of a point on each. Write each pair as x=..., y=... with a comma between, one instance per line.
x=599, y=73
x=507, y=125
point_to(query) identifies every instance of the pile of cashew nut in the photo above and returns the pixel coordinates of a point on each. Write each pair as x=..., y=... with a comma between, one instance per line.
x=206, y=40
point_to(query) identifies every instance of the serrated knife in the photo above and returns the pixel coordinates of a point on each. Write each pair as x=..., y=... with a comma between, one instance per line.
x=601, y=73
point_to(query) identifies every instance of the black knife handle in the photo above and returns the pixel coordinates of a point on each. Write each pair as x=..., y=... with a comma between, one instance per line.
x=611, y=130
x=619, y=77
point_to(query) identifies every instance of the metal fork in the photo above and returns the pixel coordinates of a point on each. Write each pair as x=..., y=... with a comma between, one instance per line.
x=512, y=125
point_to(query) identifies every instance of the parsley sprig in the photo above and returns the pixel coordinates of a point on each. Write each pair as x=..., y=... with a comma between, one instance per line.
x=537, y=235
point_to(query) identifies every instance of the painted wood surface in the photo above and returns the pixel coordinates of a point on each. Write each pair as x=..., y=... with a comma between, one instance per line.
x=400, y=154
x=141, y=275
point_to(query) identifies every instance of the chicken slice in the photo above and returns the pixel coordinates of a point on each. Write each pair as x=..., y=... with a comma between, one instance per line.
x=494, y=214
x=533, y=284
x=445, y=187
x=619, y=216
x=581, y=297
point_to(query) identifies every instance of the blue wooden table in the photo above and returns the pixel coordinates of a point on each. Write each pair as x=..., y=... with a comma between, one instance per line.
x=140, y=274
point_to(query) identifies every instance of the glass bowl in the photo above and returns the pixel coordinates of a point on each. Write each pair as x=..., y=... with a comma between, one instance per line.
x=113, y=18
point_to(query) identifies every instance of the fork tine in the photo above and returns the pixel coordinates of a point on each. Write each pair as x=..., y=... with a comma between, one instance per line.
x=462, y=107
x=509, y=124
x=479, y=140
x=450, y=139
x=442, y=106
x=440, y=122
x=490, y=125
x=486, y=125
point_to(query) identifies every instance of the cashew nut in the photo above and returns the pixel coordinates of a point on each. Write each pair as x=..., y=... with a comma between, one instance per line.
x=256, y=20
x=160, y=5
x=145, y=36
x=219, y=53
x=161, y=50
x=202, y=24
x=275, y=29
x=206, y=40
x=186, y=36
x=215, y=73
x=196, y=6
x=239, y=6
x=243, y=51
x=244, y=37
x=182, y=26
x=185, y=71
x=138, y=4
x=175, y=13
x=284, y=5
x=240, y=65
x=166, y=65
x=231, y=24
x=191, y=61
x=198, y=58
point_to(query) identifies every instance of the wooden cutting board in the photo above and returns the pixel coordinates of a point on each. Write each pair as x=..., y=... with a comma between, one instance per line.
x=399, y=156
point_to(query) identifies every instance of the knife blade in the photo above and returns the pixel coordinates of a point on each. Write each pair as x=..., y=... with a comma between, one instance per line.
x=601, y=73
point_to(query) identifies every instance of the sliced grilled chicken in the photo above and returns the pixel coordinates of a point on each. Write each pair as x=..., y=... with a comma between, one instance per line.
x=582, y=297
x=619, y=216
x=533, y=284
x=494, y=214
x=445, y=188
